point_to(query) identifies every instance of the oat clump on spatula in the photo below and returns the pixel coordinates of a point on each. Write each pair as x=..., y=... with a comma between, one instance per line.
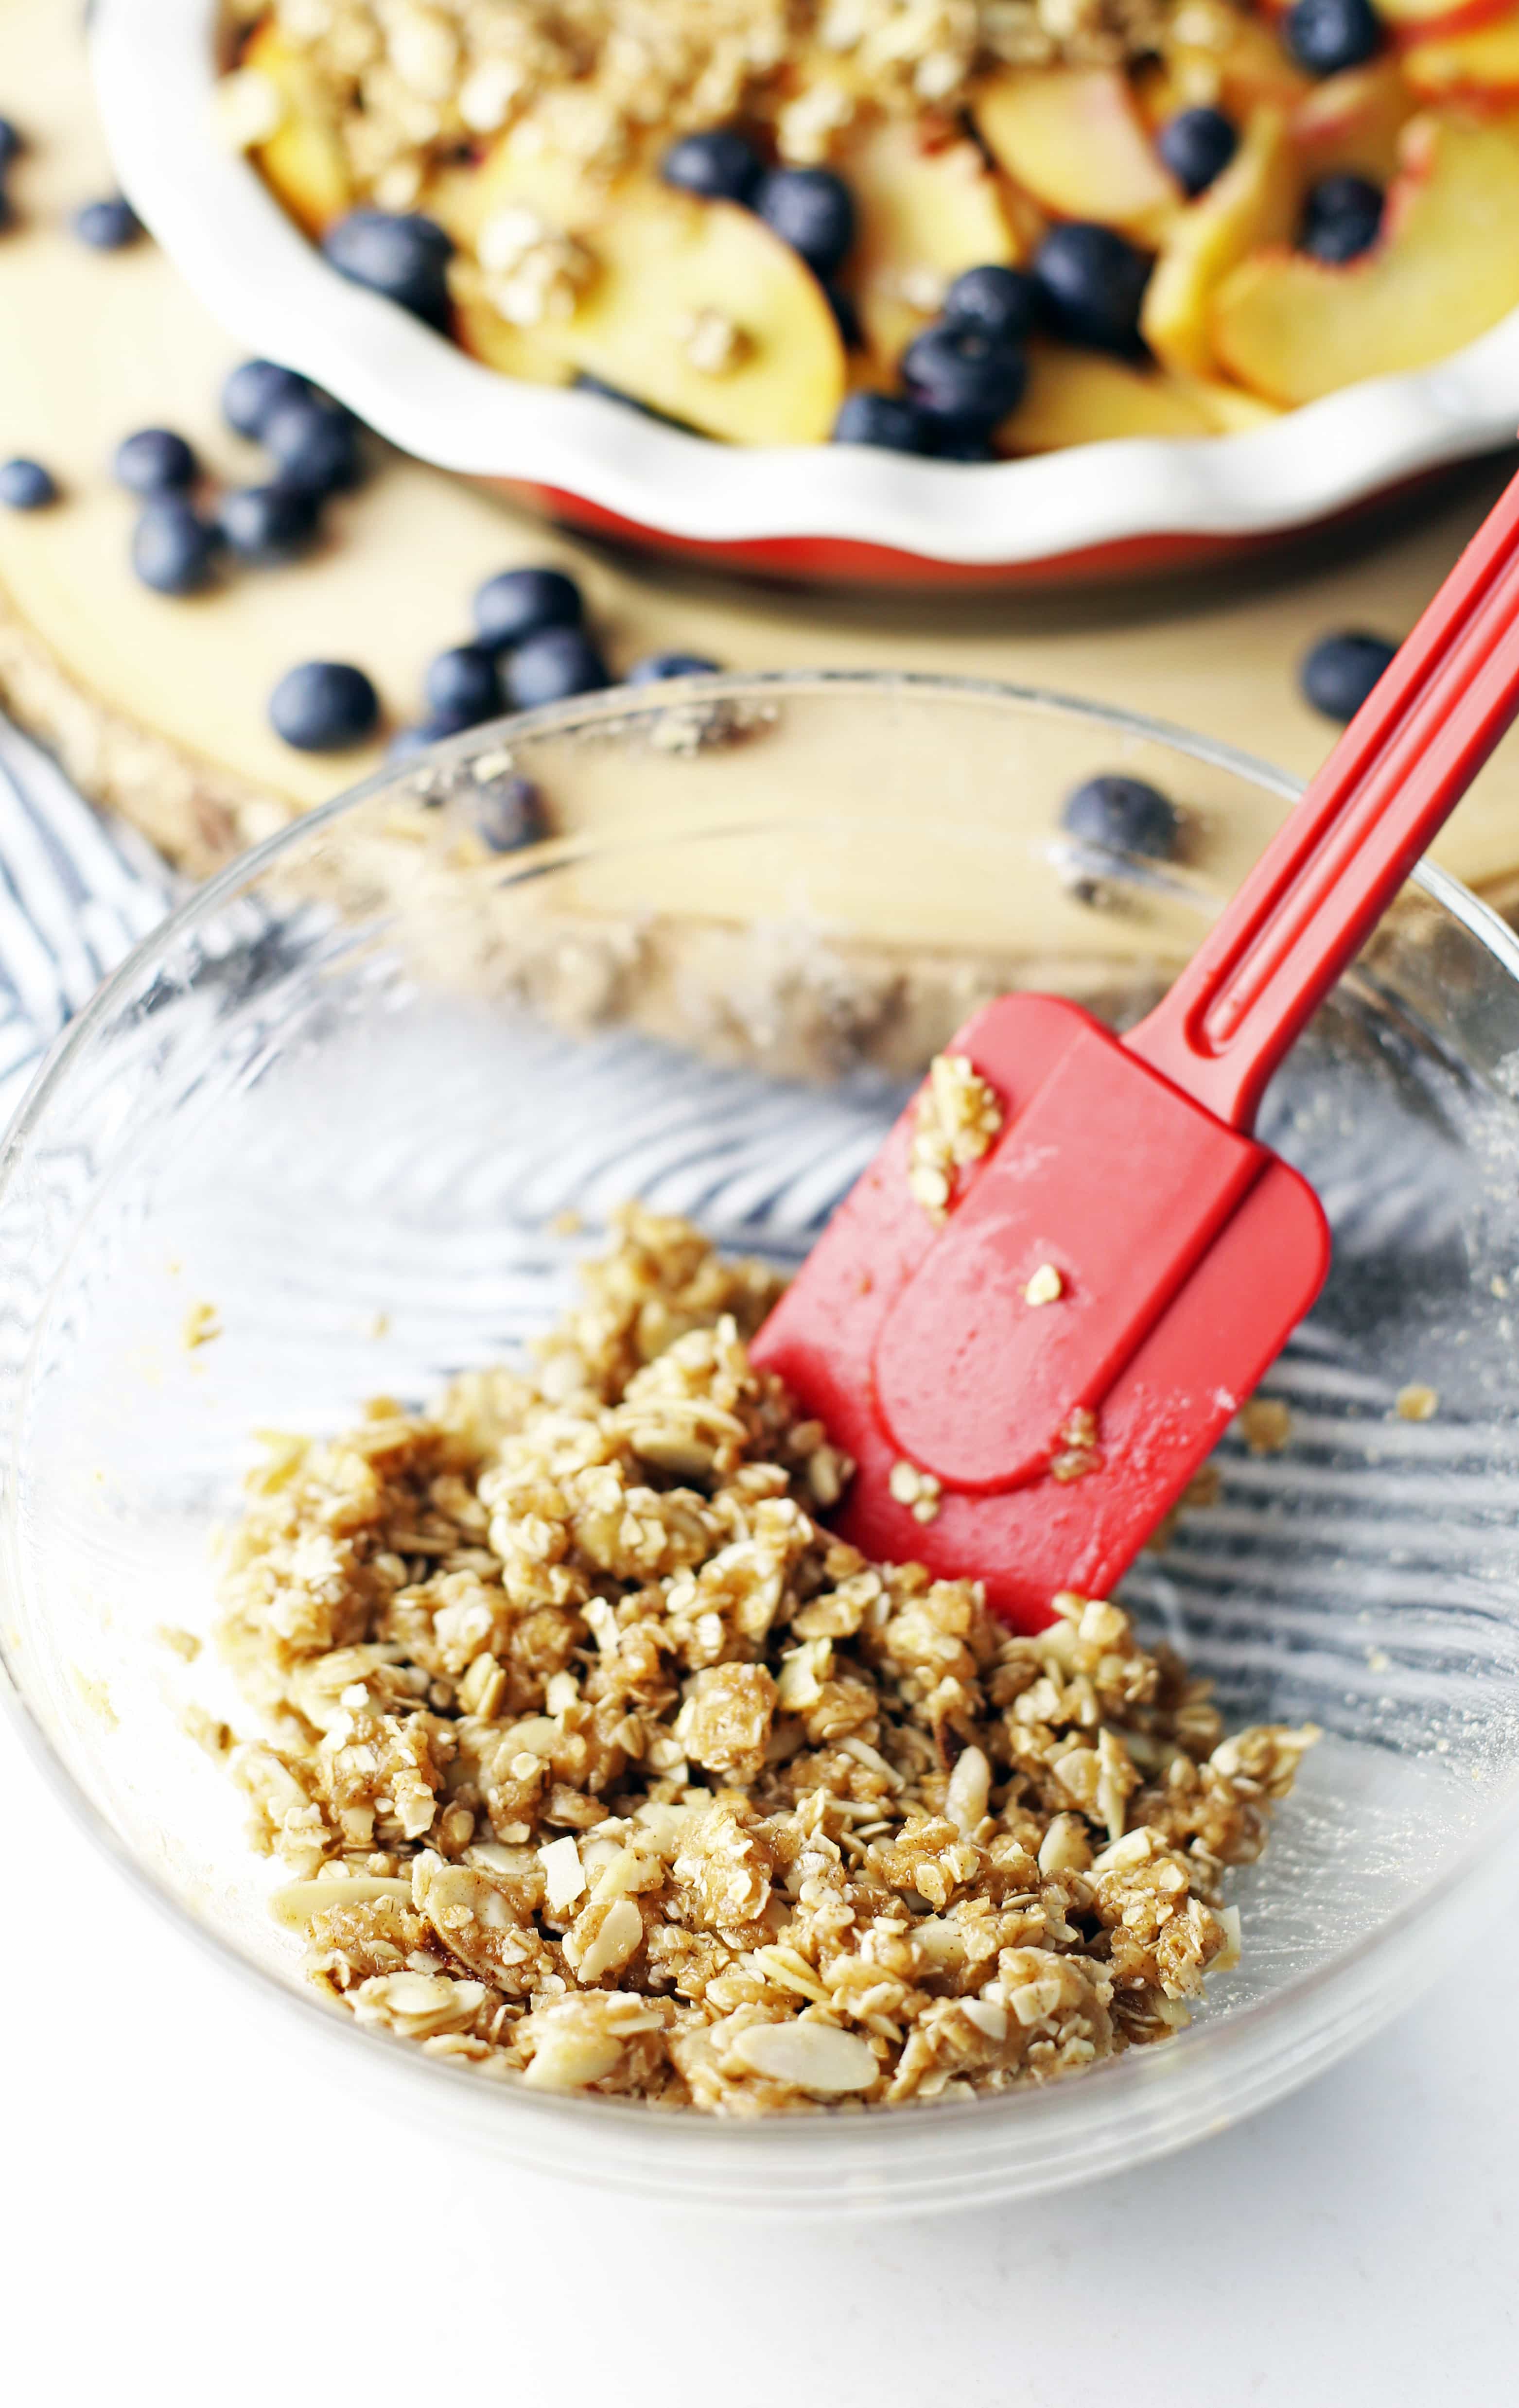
x=599, y=1763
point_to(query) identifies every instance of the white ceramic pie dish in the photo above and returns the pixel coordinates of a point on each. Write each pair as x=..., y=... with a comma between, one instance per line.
x=816, y=512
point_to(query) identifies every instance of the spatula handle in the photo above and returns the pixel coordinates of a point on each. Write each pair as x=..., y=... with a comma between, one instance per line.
x=1322, y=884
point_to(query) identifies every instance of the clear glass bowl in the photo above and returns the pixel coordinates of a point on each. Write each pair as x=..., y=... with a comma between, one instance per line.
x=345, y=1096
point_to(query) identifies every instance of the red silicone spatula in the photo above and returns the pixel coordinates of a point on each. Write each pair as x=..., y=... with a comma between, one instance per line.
x=1061, y=1432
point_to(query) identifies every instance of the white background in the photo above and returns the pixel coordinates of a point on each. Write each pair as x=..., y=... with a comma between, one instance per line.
x=192, y=2212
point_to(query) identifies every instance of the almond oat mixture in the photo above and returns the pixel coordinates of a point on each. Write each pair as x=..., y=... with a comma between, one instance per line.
x=600, y=1764
x=414, y=80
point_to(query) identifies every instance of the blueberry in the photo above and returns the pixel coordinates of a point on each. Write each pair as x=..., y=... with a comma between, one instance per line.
x=1342, y=218
x=883, y=420
x=173, y=548
x=268, y=523
x=434, y=729
x=11, y=145
x=507, y=813
x=1091, y=283
x=1325, y=36
x=657, y=666
x=810, y=209
x=522, y=602
x=845, y=317
x=254, y=391
x=1196, y=145
x=719, y=165
x=1122, y=815
x=958, y=374
x=403, y=257
x=464, y=683
x=1340, y=672
x=107, y=225
x=968, y=443
x=323, y=706
x=155, y=460
x=26, y=485
x=1002, y=302
x=316, y=447
x=552, y=665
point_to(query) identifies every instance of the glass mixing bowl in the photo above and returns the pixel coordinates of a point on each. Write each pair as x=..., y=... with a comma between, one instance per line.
x=346, y=1094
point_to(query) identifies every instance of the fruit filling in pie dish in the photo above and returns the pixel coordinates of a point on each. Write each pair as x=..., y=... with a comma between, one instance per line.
x=966, y=228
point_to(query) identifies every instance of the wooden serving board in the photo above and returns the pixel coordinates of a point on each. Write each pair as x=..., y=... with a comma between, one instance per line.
x=157, y=707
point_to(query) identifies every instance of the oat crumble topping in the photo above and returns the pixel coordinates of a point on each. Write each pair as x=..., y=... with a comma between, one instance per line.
x=958, y=1115
x=413, y=82
x=599, y=1764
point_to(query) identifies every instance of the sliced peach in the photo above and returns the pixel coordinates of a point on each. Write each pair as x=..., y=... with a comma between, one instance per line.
x=1253, y=201
x=1088, y=397
x=926, y=211
x=1350, y=123
x=666, y=268
x=1417, y=20
x=1482, y=65
x=1445, y=270
x=302, y=161
x=1073, y=137
x=1212, y=54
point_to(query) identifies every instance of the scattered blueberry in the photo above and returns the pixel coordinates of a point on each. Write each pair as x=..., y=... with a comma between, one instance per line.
x=810, y=209
x=315, y=446
x=883, y=421
x=508, y=815
x=173, y=548
x=1091, y=284
x=403, y=257
x=959, y=376
x=10, y=143
x=433, y=730
x=660, y=665
x=719, y=165
x=1196, y=145
x=463, y=683
x=522, y=602
x=409, y=741
x=107, y=225
x=254, y=391
x=1342, y=218
x=1002, y=302
x=1340, y=672
x=268, y=523
x=1122, y=815
x=1325, y=36
x=550, y=666
x=155, y=460
x=26, y=484
x=323, y=706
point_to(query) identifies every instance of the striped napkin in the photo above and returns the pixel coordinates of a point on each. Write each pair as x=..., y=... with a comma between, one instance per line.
x=77, y=892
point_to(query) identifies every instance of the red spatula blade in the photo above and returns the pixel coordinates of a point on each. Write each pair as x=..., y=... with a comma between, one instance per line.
x=1061, y=1431
x=1156, y=1420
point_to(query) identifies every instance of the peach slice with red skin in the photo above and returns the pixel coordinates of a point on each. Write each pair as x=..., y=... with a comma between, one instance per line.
x=927, y=208
x=1480, y=67
x=1419, y=21
x=1074, y=139
x=1444, y=271
x=302, y=161
x=1351, y=123
x=1253, y=203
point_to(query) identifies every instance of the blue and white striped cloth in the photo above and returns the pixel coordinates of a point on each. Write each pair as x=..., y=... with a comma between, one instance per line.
x=77, y=892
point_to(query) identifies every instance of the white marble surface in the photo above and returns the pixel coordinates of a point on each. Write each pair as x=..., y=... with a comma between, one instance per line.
x=195, y=2212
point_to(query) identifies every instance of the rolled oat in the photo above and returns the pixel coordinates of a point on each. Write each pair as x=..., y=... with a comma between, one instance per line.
x=600, y=1764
